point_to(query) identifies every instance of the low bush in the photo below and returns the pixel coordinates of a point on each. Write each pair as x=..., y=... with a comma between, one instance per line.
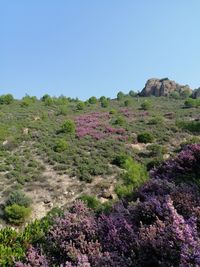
x=191, y=126
x=120, y=121
x=145, y=138
x=156, y=120
x=146, y=105
x=91, y=201
x=68, y=127
x=18, y=197
x=192, y=103
x=80, y=105
x=17, y=214
x=120, y=160
x=60, y=145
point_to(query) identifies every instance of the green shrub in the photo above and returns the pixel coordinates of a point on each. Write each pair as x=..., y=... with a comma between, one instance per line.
x=123, y=190
x=156, y=150
x=120, y=96
x=11, y=247
x=127, y=103
x=48, y=101
x=18, y=197
x=132, y=93
x=120, y=160
x=120, y=121
x=113, y=111
x=92, y=100
x=146, y=105
x=134, y=176
x=62, y=110
x=60, y=145
x=192, y=126
x=102, y=98
x=155, y=162
x=185, y=93
x=175, y=95
x=91, y=201
x=44, y=97
x=192, y=103
x=80, y=105
x=145, y=138
x=17, y=214
x=156, y=120
x=28, y=100
x=68, y=127
x=6, y=99
x=104, y=103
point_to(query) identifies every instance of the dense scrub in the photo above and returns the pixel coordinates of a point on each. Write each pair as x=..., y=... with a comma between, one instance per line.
x=157, y=225
x=111, y=144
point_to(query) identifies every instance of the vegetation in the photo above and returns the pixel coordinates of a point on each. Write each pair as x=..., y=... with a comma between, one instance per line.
x=132, y=202
x=145, y=137
x=134, y=232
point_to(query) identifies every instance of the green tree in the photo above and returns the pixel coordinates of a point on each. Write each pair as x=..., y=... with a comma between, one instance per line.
x=6, y=99
x=92, y=100
x=132, y=93
x=104, y=103
x=120, y=96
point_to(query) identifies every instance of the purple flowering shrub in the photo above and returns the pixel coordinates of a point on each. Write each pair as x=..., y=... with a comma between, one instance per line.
x=96, y=125
x=33, y=259
x=184, y=167
x=158, y=226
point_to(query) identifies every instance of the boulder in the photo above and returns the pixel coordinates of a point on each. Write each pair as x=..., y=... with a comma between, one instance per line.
x=162, y=87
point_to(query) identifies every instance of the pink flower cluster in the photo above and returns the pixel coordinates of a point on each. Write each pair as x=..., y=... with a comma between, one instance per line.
x=129, y=114
x=126, y=112
x=96, y=125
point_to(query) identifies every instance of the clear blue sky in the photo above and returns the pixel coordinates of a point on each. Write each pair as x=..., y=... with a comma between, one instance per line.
x=96, y=47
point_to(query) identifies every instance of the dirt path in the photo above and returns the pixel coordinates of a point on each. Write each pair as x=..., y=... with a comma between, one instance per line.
x=59, y=190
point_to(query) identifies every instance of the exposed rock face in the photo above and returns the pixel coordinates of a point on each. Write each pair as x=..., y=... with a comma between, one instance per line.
x=162, y=87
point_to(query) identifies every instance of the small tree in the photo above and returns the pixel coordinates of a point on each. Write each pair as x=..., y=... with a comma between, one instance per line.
x=132, y=93
x=92, y=100
x=44, y=97
x=104, y=103
x=6, y=99
x=120, y=96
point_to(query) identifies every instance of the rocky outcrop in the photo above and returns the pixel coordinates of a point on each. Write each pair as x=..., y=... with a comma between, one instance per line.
x=162, y=87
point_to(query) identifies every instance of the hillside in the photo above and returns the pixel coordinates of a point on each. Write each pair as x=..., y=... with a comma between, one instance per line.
x=56, y=150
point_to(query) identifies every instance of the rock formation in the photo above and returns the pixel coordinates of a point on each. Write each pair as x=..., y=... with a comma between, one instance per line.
x=162, y=87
